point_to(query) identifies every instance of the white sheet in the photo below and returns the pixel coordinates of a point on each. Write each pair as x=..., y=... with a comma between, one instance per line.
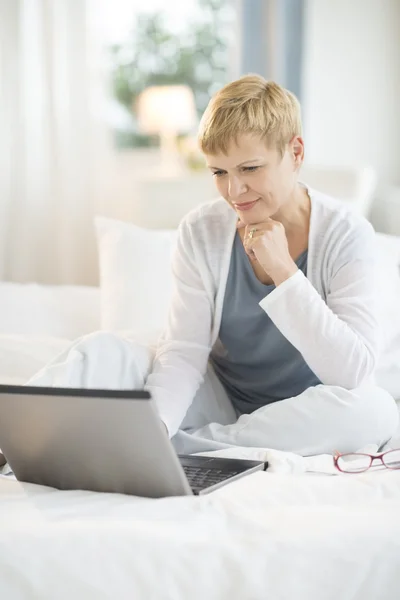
x=284, y=537
x=287, y=534
x=63, y=311
x=21, y=356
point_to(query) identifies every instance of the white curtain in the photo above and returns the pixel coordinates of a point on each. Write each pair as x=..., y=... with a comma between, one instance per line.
x=55, y=155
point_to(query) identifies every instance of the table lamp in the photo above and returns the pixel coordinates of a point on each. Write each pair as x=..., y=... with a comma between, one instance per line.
x=167, y=110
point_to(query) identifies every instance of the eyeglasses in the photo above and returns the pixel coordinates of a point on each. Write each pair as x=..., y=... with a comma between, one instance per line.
x=357, y=462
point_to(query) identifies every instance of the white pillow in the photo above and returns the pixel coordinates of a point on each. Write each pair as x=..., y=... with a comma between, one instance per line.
x=388, y=369
x=389, y=282
x=135, y=275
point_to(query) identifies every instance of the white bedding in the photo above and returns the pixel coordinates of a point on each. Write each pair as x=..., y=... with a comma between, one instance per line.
x=297, y=532
x=269, y=535
x=62, y=311
x=21, y=356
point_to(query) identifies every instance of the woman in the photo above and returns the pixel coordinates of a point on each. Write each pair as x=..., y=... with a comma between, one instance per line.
x=275, y=298
x=272, y=336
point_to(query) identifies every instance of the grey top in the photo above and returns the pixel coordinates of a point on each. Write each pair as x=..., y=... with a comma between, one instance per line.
x=254, y=361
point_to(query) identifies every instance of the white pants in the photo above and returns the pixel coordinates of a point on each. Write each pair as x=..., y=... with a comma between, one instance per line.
x=320, y=420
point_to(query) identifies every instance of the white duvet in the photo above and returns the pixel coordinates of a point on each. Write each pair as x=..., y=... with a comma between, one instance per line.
x=269, y=535
x=298, y=532
x=21, y=356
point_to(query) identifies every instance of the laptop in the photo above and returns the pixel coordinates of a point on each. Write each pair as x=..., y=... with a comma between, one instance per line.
x=103, y=441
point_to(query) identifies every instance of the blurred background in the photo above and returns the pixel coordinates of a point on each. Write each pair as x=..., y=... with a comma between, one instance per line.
x=100, y=102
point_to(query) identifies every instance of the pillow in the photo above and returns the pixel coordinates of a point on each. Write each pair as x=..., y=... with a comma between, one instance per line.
x=135, y=275
x=387, y=373
x=389, y=281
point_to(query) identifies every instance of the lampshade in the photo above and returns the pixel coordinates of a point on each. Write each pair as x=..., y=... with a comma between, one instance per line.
x=166, y=108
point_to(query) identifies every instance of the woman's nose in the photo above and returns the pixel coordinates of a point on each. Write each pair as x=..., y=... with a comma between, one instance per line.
x=236, y=187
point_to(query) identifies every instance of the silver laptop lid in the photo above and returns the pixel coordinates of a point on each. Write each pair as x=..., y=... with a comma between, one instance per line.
x=99, y=440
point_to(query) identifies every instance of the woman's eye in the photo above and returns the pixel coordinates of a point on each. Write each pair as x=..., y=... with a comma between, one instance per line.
x=218, y=173
x=250, y=169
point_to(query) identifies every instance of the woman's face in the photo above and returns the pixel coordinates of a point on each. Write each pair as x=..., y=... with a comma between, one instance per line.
x=256, y=180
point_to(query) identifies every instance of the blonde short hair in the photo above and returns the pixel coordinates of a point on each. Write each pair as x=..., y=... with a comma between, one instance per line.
x=250, y=105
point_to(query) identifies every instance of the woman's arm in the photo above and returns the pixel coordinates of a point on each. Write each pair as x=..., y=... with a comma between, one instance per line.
x=338, y=339
x=183, y=350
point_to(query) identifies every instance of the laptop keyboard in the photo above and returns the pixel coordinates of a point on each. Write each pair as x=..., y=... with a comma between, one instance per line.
x=200, y=477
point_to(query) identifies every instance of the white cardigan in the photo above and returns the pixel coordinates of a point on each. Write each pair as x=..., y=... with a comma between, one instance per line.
x=330, y=316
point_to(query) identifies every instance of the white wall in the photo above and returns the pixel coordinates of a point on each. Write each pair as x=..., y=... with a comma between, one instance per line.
x=352, y=84
x=149, y=198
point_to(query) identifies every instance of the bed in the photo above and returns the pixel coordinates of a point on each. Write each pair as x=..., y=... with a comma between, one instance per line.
x=278, y=535
x=301, y=531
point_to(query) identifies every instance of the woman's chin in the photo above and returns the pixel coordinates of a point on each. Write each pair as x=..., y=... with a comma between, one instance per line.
x=253, y=217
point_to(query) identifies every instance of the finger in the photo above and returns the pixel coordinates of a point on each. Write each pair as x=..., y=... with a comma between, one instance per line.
x=251, y=254
x=251, y=239
x=248, y=245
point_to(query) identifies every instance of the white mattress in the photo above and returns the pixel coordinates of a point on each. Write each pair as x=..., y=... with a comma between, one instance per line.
x=21, y=356
x=269, y=535
x=63, y=311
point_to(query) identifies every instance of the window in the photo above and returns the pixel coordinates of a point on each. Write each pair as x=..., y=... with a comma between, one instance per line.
x=153, y=43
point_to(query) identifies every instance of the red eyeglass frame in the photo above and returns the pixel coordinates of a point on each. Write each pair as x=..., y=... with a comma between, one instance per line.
x=372, y=457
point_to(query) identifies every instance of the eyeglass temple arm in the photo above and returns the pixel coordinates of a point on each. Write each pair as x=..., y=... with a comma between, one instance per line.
x=336, y=453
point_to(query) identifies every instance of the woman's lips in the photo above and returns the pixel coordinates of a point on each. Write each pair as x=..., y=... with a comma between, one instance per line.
x=245, y=205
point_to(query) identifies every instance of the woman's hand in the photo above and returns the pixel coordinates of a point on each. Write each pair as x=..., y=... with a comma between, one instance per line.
x=267, y=243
